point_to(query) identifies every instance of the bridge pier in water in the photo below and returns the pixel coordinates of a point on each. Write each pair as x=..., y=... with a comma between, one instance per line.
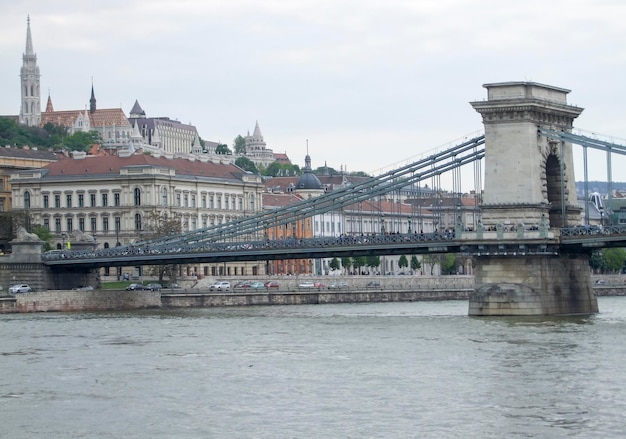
x=532, y=285
x=529, y=181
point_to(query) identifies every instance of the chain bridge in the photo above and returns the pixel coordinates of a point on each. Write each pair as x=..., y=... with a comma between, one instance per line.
x=530, y=242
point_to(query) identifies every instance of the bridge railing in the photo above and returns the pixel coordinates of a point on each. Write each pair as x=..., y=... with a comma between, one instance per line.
x=592, y=230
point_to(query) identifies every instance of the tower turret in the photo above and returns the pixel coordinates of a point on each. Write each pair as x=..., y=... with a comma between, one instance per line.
x=30, y=111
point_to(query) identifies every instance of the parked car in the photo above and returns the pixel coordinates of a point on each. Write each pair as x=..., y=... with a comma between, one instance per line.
x=221, y=285
x=337, y=286
x=271, y=284
x=135, y=287
x=257, y=285
x=19, y=288
x=84, y=288
x=373, y=284
x=154, y=287
x=243, y=284
x=306, y=284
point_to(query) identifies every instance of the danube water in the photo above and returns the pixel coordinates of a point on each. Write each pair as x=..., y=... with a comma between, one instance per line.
x=377, y=370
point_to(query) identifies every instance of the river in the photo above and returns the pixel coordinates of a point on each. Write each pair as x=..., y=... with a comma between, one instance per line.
x=375, y=370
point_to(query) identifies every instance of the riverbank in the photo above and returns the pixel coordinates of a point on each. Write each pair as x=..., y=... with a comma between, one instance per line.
x=394, y=290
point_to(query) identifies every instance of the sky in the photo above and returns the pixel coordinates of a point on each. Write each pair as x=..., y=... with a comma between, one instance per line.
x=367, y=84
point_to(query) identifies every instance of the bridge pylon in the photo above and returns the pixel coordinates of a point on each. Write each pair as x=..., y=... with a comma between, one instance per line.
x=529, y=181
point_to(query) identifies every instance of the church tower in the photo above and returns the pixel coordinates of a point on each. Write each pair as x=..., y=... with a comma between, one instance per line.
x=30, y=112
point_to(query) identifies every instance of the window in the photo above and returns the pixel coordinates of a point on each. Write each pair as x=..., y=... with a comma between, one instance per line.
x=105, y=224
x=240, y=203
x=81, y=224
x=26, y=200
x=252, y=202
x=194, y=223
x=70, y=224
x=211, y=206
x=57, y=201
x=204, y=201
x=193, y=201
x=226, y=202
x=46, y=202
x=219, y=201
x=46, y=223
x=137, y=221
x=116, y=199
x=137, y=196
x=68, y=201
x=105, y=200
x=92, y=200
x=93, y=223
x=163, y=196
x=186, y=200
x=81, y=200
x=57, y=224
x=118, y=223
x=177, y=200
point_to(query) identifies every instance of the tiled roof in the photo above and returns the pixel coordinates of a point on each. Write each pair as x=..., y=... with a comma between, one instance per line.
x=107, y=117
x=276, y=201
x=28, y=153
x=111, y=165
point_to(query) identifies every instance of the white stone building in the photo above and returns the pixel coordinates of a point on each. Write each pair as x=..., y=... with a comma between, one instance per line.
x=112, y=197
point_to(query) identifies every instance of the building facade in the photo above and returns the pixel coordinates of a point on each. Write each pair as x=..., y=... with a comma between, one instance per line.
x=113, y=198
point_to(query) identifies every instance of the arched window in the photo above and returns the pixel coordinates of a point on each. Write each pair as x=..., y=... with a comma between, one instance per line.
x=137, y=221
x=164, y=196
x=137, y=196
x=26, y=200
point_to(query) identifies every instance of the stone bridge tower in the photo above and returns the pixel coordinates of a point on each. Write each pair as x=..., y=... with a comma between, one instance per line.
x=529, y=185
x=527, y=178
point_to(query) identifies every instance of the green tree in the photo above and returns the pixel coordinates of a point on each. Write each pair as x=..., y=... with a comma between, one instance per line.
x=373, y=261
x=334, y=264
x=346, y=263
x=359, y=262
x=223, y=149
x=614, y=259
x=246, y=164
x=415, y=263
x=403, y=262
x=448, y=263
x=276, y=169
x=239, y=145
x=45, y=235
x=80, y=141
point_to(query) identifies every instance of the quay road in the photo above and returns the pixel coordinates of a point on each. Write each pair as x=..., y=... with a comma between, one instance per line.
x=503, y=241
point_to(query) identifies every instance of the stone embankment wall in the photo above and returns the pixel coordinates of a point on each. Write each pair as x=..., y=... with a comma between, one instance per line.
x=97, y=300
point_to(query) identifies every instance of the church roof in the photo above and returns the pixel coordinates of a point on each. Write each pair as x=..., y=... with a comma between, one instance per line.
x=103, y=117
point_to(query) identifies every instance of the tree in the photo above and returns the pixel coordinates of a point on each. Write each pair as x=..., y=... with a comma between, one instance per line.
x=415, y=263
x=45, y=235
x=448, y=263
x=346, y=263
x=334, y=264
x=373, y=261
x=223, y=149
x=359, y=262
x=246, y=164
x=403, y=262
x=276, y=169
x=159, y=226
x=239, y=145
x=80, y=141
x=614, y=259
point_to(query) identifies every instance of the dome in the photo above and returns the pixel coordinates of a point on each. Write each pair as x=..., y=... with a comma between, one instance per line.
x=308, y=180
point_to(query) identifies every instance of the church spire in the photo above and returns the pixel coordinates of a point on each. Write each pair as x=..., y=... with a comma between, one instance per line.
x=92, y=101
x=30, y=111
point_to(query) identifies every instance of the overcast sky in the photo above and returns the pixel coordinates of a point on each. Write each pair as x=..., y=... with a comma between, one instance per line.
x=369, y=83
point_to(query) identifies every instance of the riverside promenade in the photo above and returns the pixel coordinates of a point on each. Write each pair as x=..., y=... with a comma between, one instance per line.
x=386, y=289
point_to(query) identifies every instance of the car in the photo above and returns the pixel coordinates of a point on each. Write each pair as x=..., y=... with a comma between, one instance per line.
x=337, y=286
x=257, y=285
x=154, y=287
x=373, y=284
x=220, y=285
x=271, y=284
x=135, y=287
x=19, y=288
x=306, y=284
x=83, y=288
x=600, y=282
x=243, y=284
x=173, y=285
